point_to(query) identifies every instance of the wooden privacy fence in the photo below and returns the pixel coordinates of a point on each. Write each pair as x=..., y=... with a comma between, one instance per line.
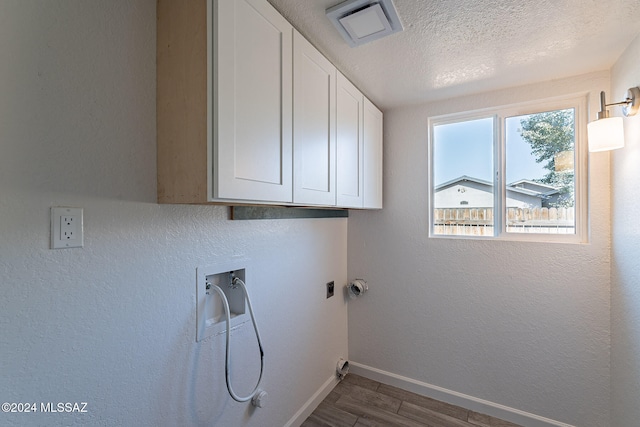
x=479, y=221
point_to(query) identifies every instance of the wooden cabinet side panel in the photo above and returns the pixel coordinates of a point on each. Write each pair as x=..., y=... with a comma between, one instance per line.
x=182, y=101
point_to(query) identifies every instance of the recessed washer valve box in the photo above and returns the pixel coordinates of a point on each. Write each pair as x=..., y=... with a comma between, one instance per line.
x=211, y=318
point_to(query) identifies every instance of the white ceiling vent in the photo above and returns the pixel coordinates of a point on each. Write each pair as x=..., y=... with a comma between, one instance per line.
x=362, y=21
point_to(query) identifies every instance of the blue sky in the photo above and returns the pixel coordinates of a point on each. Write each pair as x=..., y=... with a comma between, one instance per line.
x=466, y=148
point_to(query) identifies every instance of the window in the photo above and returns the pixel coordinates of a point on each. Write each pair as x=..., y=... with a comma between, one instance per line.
x=517, y=172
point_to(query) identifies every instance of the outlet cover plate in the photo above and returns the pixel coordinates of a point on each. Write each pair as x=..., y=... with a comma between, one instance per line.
x=330, y=289
x=66, y=228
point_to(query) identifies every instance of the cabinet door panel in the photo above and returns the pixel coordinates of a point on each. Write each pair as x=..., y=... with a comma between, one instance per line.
x=372, y=156
x=313, y=126
x=349, y=140
x=253, y=110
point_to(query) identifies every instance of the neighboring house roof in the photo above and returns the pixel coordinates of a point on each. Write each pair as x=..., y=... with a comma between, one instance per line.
x=523, y=186
x=462, y=179
x=538, y=187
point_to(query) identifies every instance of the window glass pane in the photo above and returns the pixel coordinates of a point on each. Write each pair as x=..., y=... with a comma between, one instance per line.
x=540, y=179
x=462, y=178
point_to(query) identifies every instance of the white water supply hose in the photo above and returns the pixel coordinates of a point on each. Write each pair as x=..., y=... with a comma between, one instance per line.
x=257, y=396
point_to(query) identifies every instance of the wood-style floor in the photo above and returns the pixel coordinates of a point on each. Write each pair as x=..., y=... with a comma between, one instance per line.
x=360, y=402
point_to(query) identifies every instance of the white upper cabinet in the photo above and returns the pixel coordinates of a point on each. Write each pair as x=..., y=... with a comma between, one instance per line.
x=349, y=141
x=372, y=156
x=314, y=125
x=252, y=102
x=248, y=111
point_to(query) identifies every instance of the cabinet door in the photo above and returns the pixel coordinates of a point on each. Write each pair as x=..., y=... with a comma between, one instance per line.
x=314, y=125
x=349, y=141
x=252, y=129
x=372, y=156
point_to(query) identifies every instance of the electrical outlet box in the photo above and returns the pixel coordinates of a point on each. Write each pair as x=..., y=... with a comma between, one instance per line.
x=66, y=228
x=330, y=289
x=210, y=315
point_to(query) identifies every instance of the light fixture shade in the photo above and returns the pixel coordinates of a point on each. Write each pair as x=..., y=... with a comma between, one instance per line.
x=606, y=134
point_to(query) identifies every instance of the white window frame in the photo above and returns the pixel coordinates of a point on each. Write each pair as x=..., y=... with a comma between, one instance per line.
x=580, y=105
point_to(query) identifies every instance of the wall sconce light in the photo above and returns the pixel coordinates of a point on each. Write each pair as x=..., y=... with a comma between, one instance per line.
x=607, y=133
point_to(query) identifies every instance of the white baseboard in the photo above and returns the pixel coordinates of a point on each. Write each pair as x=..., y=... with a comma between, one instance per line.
x=454, y=398
x=313, y=402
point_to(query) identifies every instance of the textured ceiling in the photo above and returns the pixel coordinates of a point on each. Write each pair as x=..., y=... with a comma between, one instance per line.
x=455, y=47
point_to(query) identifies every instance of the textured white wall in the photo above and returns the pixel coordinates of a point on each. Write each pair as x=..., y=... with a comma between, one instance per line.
x=625, y=270
x=113, y=324
x=524, y=325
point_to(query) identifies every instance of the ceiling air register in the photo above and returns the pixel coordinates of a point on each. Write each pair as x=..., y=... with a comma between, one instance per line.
x=363, y=21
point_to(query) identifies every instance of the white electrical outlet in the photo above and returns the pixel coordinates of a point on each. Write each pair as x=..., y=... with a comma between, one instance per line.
x=66, y=228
